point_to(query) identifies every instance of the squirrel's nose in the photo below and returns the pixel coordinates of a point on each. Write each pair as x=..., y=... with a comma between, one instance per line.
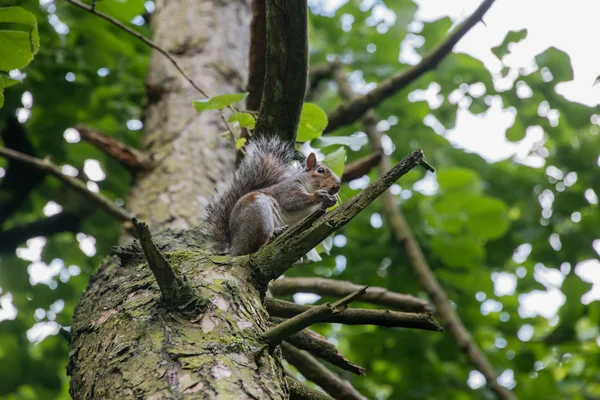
x=336, y=187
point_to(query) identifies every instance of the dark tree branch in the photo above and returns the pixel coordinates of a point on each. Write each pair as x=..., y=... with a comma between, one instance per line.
x=21, y=178
x=358, y=316
x=353, y=110
x=130, y=158
x=257, y=60
x=140, y=37
x=286, y=68
x=49, y=168
x=404, y=238
x=314, y=371
x=276, y=257
x=318, y=346
x=174, y=290
x=360, y=167
x=63, y=222
x=316, y=75
x=299, y=391
x=334, y=288
x=311, y=316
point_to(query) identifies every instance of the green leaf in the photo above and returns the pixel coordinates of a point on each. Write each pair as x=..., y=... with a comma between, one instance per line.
x=487, y=217
x=219, y=102
x=335, y=161
x=349, y=141
x=573, y=288
x=461, y=251
x=240, y=143
x=19, y=38
x=511, y=37
x=245, y=120
x=459, y=180
x=558, y=62
x=516, y=132
x=123, y=10
x=313, y=121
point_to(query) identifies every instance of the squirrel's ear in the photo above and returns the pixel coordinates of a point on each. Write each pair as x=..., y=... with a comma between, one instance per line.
x=311, y=161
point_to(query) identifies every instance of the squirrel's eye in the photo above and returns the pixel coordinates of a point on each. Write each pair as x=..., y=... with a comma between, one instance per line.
x=321, y=170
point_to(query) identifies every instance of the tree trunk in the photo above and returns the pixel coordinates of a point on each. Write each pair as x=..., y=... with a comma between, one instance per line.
x=126, y=343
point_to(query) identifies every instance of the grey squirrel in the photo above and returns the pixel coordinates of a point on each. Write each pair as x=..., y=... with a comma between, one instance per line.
x=266, y=196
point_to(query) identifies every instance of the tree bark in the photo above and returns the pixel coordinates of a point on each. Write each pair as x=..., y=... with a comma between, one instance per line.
x=126, y=342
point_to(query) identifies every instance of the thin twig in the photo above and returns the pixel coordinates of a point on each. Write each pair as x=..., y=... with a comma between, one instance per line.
x=335, y=288
x=127, y=156
x=311, y=316
x=175, y=291
x=353, y=110
x=358, y=316
x=318, y=346
x=140, y=37
x=299, y=391
x=315, y=371
x=46, y=166
x=404, y=238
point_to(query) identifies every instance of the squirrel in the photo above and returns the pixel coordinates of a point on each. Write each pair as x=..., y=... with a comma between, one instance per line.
x=266, y=196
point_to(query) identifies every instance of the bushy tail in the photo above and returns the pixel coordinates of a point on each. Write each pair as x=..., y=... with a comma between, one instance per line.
x=267, y=162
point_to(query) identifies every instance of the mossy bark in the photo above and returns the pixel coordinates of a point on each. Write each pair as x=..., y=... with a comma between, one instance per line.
x=126, y=342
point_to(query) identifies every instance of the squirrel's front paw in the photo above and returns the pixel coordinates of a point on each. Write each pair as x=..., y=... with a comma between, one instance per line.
x=326, y=199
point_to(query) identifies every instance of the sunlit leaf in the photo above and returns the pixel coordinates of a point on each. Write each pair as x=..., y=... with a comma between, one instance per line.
x=349, y=141
x=219, y=102
x=459, y=180
x=245, y=120
x=19, y=38
x=336, y=160
x=313, y=121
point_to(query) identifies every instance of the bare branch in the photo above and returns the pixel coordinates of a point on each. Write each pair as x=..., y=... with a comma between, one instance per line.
x=174, y=290
x=286, y=68
x=353, y=110
x=318, y=346
x=315, y=371
x=404, y=238
x=257, y=60
x=276, y=257
x=334, y=288
x=20, y=178
x=46, y=166
x=129, y=157
x=358, y=316
x=311, y=316
x=360, y=167
x=63, y=222
x=299, y=391
x=316, y=75
x=140, y=37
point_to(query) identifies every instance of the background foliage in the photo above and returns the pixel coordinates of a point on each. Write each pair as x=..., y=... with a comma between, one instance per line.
x=494, y=233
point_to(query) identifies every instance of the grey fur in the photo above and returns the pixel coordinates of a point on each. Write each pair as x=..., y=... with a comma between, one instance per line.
x=266, y=163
